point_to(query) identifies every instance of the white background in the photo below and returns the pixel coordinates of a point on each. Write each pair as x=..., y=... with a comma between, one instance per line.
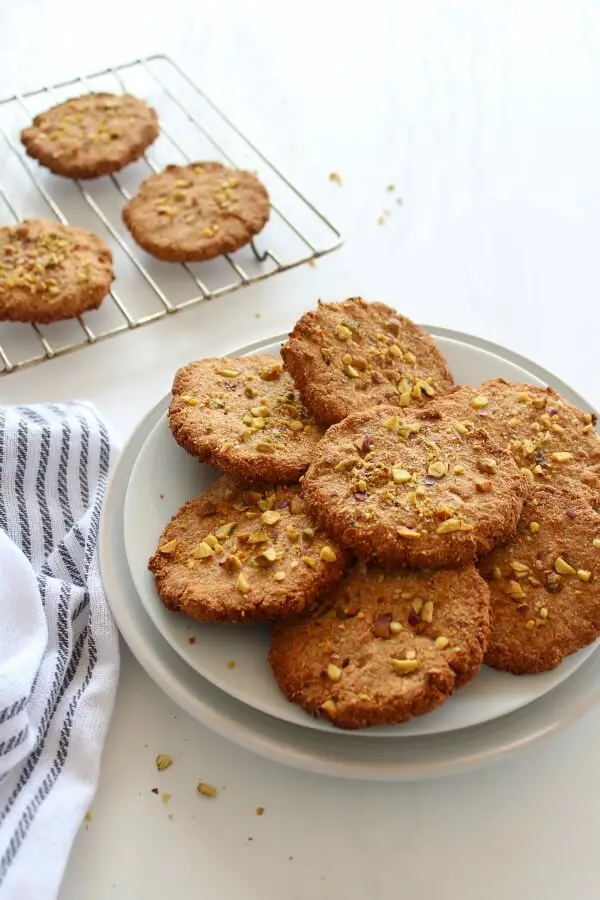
x=486, y=115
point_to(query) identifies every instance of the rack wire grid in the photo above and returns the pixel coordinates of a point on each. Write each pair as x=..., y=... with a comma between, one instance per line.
x=192, y=127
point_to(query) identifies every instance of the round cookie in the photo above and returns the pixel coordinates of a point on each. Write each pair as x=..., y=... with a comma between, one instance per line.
x=50, y=271
x=350, y=356
x=196, y=212
x=413, y=488
x=244, y=417
x=91, y=135
x=545, y=584
x=551, y=440
x=383, y=647
x=243, y=553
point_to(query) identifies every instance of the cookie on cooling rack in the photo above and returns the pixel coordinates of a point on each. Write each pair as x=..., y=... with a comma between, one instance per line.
x=196, y=212
x=243, y=553
x=244, y=417
x=50, y=271
x=346, y=357
x=91, y=135
x=551, y=440
x=382, y=647
x=545, y=584
x=413, y=488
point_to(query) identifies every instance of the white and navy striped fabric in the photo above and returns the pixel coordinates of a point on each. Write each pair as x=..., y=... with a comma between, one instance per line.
x=59, y=655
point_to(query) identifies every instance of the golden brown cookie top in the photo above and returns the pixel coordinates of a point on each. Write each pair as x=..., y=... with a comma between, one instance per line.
x=245, y=417
x=197, y=211
x=50, y=271
x=91, y=135
x=551, y=440
x=242, y=553
x=382, y=647
x=346, y=357
x=413, y=487
x=545, y=584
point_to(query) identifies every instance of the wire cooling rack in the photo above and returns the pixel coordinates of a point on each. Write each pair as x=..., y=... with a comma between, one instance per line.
x=146, y=290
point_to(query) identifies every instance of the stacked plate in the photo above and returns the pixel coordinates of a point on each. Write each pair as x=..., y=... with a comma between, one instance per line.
x=219, y=673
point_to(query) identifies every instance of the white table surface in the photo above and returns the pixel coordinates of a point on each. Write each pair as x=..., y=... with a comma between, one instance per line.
x=486, y=115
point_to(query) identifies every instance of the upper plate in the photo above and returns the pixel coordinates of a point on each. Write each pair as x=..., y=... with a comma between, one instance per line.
x=305, y=748
x=165, y=476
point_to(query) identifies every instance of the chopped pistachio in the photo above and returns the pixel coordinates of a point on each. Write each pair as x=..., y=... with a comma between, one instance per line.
x=242, y=584
x=224, y=531
x=562, y=567
x=584, y=574
x=404, y=532
x=351, y=372
x=279, y=576
x=267, y=557
x=342, y=333
x=270, y=517
x=163, y=761
x=212, y=541
x=441, y=642
x=168, y=548
x=427, y=612
x=562, y=456
x=396, y=627
x=334, y=673
x=400, y=476
x=227, y=373
x=449, y=526
x=258, y=537
x=515, y=590
x=330, y=708
x=327, y=554
x=296, y=506
x=310, y=562
x=479, y=402
x=202, y=551
x=438, y=469
x=404, y=666
x=534, y=527
x=207, y=790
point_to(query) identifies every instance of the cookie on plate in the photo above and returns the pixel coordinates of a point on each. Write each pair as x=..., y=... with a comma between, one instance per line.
x=346, y=357
x=92, y=135
x=545, y=584
x=551, y=440
x=413, y=488
x=196, y=212
x=244, y=417
x=50, y=271
x=243, y=553
x=382, y=647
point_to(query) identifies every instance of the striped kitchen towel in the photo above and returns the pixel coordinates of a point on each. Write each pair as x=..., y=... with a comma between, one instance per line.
x=59, y=656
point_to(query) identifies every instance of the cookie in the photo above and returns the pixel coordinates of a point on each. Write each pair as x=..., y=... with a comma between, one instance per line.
x=413, y=488
x=196, y=212
x=350, y=356
x=244, y=417
x=383, y=647
x=243, y=553
x=551, y=441
x=50, y=271
x=91, y=135
x=545, y=584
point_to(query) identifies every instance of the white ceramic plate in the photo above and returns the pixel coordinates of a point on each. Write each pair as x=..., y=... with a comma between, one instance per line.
x=165, y=476
x=303, y=748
